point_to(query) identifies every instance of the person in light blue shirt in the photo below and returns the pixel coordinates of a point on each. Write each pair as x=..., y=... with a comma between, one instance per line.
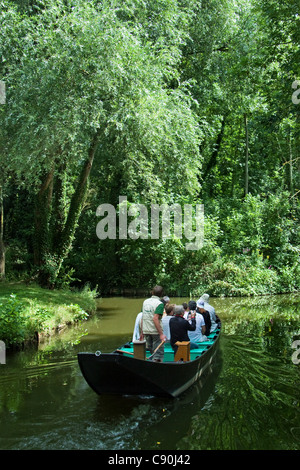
x=210, y=309
x=198, y=335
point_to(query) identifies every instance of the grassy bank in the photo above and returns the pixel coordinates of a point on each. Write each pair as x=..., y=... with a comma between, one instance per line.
x=28, y=311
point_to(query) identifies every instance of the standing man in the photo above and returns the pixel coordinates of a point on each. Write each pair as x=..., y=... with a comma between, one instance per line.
x=153, y=310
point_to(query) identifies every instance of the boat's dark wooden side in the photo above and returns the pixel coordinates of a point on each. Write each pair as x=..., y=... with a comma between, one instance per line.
x=116, y=373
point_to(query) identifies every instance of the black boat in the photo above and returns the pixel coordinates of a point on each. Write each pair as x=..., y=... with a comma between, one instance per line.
x=121, y=373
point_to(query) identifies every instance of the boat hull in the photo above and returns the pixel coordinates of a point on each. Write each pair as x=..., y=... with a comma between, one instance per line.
x=116, y=373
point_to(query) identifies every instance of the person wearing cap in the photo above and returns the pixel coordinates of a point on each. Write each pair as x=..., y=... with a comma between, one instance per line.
x=179, y=327
x=165, y=300
x=201, y=309
x=209, y=308
x=198, y=335
x=153, y=309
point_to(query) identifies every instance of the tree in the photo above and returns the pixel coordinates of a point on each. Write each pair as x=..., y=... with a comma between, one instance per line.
x=84, y=82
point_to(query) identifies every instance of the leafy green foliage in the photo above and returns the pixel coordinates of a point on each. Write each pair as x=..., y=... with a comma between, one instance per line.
x=91, y=79
x=32, y=310
x=164, y=102
x=12, y=320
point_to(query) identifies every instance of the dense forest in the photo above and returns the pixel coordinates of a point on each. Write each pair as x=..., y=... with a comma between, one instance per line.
x=164, y=102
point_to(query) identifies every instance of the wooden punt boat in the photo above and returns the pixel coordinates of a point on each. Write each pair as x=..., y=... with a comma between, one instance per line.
x=121, y=373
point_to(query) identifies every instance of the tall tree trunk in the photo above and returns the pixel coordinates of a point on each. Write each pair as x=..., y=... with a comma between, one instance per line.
x=41, y=241
x=213, y=158
x=41, y=220
x=64, y=233
x=77, y=202
x=59, y=204
x=246, y=155
x=2, y=247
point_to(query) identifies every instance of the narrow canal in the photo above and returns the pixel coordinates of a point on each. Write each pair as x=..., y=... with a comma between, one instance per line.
x=251, y=400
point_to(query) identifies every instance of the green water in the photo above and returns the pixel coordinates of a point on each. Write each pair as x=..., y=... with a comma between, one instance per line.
x=251, y=399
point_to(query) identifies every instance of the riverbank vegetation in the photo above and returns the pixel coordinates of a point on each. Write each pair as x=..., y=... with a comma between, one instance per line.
x=174, y=102
x=28, y=313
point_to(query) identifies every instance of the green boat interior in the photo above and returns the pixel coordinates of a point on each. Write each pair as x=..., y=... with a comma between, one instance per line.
x=128, y=348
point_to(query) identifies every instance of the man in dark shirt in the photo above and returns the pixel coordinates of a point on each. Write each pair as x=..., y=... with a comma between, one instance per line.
x=179, y=327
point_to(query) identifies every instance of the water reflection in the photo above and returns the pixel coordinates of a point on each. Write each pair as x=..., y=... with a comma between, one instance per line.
x=249, y=401
x=256, y=402
x=152, y=423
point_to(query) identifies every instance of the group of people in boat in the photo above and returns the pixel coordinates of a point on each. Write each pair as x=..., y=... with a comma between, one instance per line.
x=161, y=321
